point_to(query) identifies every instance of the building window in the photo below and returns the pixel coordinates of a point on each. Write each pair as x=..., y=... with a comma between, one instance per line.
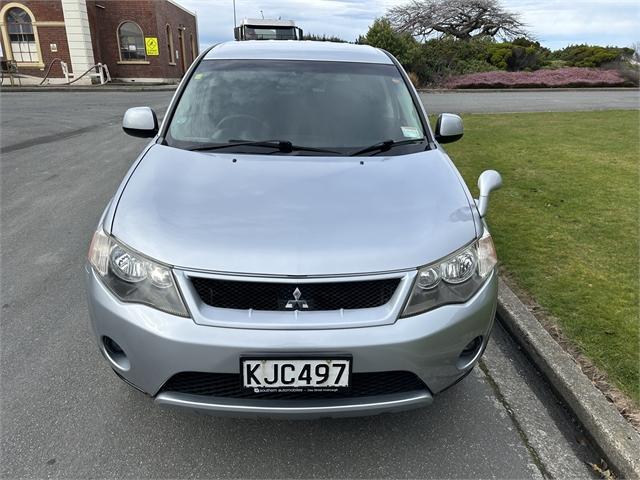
x=193, y=49
x=131, y=42
x=172, y=54
x=21, y=36
x=182, y=55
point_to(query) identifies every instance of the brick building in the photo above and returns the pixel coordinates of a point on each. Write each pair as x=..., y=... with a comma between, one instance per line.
x=139, y=40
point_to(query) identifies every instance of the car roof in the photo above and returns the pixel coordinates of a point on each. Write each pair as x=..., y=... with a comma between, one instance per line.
x=297, y=50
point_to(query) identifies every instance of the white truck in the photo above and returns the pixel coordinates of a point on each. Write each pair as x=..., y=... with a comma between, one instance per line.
x=267, y=29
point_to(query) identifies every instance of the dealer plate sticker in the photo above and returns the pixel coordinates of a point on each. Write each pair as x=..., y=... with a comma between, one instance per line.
x=281, y=375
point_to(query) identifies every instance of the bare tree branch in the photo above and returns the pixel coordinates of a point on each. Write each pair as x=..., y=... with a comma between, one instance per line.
x=463, y=19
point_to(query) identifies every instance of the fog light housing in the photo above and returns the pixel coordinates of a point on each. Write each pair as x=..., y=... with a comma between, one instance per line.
x=115, y=354
x=470, y=353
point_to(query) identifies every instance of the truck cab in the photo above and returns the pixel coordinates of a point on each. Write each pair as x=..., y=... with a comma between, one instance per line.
x=267, y=29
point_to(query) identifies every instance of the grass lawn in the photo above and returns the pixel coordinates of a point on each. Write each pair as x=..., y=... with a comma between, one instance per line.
x=567, y=221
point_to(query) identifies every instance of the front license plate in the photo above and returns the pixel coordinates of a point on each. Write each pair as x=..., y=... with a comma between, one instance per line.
x=295, y=375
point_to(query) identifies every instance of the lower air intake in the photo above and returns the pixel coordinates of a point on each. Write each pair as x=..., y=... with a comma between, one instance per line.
x=230, y=385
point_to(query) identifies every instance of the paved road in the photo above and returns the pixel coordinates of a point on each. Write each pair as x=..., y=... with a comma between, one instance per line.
x=530, y=101
x=63, y=413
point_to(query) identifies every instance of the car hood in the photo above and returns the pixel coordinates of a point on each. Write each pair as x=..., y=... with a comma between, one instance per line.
x=293, y=215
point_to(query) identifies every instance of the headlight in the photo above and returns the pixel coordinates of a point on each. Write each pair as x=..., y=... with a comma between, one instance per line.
x=454, y=279
x=134, y=278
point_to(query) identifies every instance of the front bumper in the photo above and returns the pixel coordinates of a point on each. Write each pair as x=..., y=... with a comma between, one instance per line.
x=158, y=345
x=307, y=409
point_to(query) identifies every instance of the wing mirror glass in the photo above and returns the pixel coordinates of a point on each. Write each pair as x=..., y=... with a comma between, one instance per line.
x=140, y=122
x=488, y=181
x=449, y=128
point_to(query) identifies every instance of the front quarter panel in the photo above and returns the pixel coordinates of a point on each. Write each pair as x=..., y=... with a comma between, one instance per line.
x=477, y=219
x=109, y=213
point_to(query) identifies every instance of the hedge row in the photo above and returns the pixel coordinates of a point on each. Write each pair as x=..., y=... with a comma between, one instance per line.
x=564, y=77
x=434, y=61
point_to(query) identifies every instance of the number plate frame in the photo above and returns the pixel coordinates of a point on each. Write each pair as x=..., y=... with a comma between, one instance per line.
x=301, y=357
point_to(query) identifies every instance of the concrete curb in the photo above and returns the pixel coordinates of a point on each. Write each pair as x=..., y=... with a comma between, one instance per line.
x=617, y=440
x=170, y=88
x=528, y=89
x=97, y=88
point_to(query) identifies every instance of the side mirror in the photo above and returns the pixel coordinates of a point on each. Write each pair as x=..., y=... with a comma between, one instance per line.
x=140, y=122
x=449, y=128
x=488, y=181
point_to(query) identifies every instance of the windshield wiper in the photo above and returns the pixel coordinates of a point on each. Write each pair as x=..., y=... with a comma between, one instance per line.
x=385, y=146
x=279, y=145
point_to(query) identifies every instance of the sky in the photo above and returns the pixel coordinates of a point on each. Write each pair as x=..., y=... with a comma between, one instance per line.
x=553, y=23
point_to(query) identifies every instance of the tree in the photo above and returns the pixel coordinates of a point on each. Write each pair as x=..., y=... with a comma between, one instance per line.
x=382, y=35
x=462, y=19
x=323, y=38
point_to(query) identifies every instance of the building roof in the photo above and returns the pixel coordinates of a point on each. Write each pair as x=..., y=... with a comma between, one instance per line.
x=175, y=3
x=297, y=50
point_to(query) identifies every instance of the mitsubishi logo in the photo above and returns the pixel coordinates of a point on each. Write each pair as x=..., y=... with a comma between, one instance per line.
x=296, y=302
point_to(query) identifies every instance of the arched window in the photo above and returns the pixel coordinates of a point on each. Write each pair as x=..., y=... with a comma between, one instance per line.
x=21, y=36
x=131, y=42
x=172, y=52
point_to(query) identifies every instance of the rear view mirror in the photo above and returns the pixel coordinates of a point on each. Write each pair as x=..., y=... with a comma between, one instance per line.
x=140, y=122
x=449, y=128
x=489, y=181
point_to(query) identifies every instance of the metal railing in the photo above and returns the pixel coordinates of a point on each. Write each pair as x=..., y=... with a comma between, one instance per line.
x=9, y=69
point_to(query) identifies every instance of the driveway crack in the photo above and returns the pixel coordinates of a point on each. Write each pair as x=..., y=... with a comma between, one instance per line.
x=525, y=440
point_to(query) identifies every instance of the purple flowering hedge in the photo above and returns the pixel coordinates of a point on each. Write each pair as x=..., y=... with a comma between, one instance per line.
x=562, y=77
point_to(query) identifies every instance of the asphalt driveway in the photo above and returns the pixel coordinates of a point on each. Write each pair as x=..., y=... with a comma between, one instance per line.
x=63, y=413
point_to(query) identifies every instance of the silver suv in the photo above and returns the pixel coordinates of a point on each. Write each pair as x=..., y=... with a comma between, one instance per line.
x=293, y=241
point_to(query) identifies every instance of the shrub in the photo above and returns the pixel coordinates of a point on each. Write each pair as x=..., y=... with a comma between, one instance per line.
x=498, y=55
x=591, y=56
x=473, y=66
x=565, y=77
x=523, y=58
x=521, y=54
x=555, y=64
x=323, y=38
x=437, y=59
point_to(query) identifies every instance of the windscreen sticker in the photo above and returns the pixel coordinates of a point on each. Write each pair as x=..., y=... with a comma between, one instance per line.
x=410, y=132
x=198, y=76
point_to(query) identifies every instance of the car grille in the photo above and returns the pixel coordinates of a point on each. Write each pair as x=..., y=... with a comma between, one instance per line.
x=244, y=295
x=230, y=385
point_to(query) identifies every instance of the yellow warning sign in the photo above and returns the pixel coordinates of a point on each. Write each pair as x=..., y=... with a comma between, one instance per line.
x=151, y=45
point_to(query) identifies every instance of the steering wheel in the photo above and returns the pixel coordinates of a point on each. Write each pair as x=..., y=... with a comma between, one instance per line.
x=240, y=123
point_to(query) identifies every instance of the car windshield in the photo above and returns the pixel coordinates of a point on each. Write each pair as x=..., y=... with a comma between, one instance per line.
x=265, y=33
x=338, y=106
